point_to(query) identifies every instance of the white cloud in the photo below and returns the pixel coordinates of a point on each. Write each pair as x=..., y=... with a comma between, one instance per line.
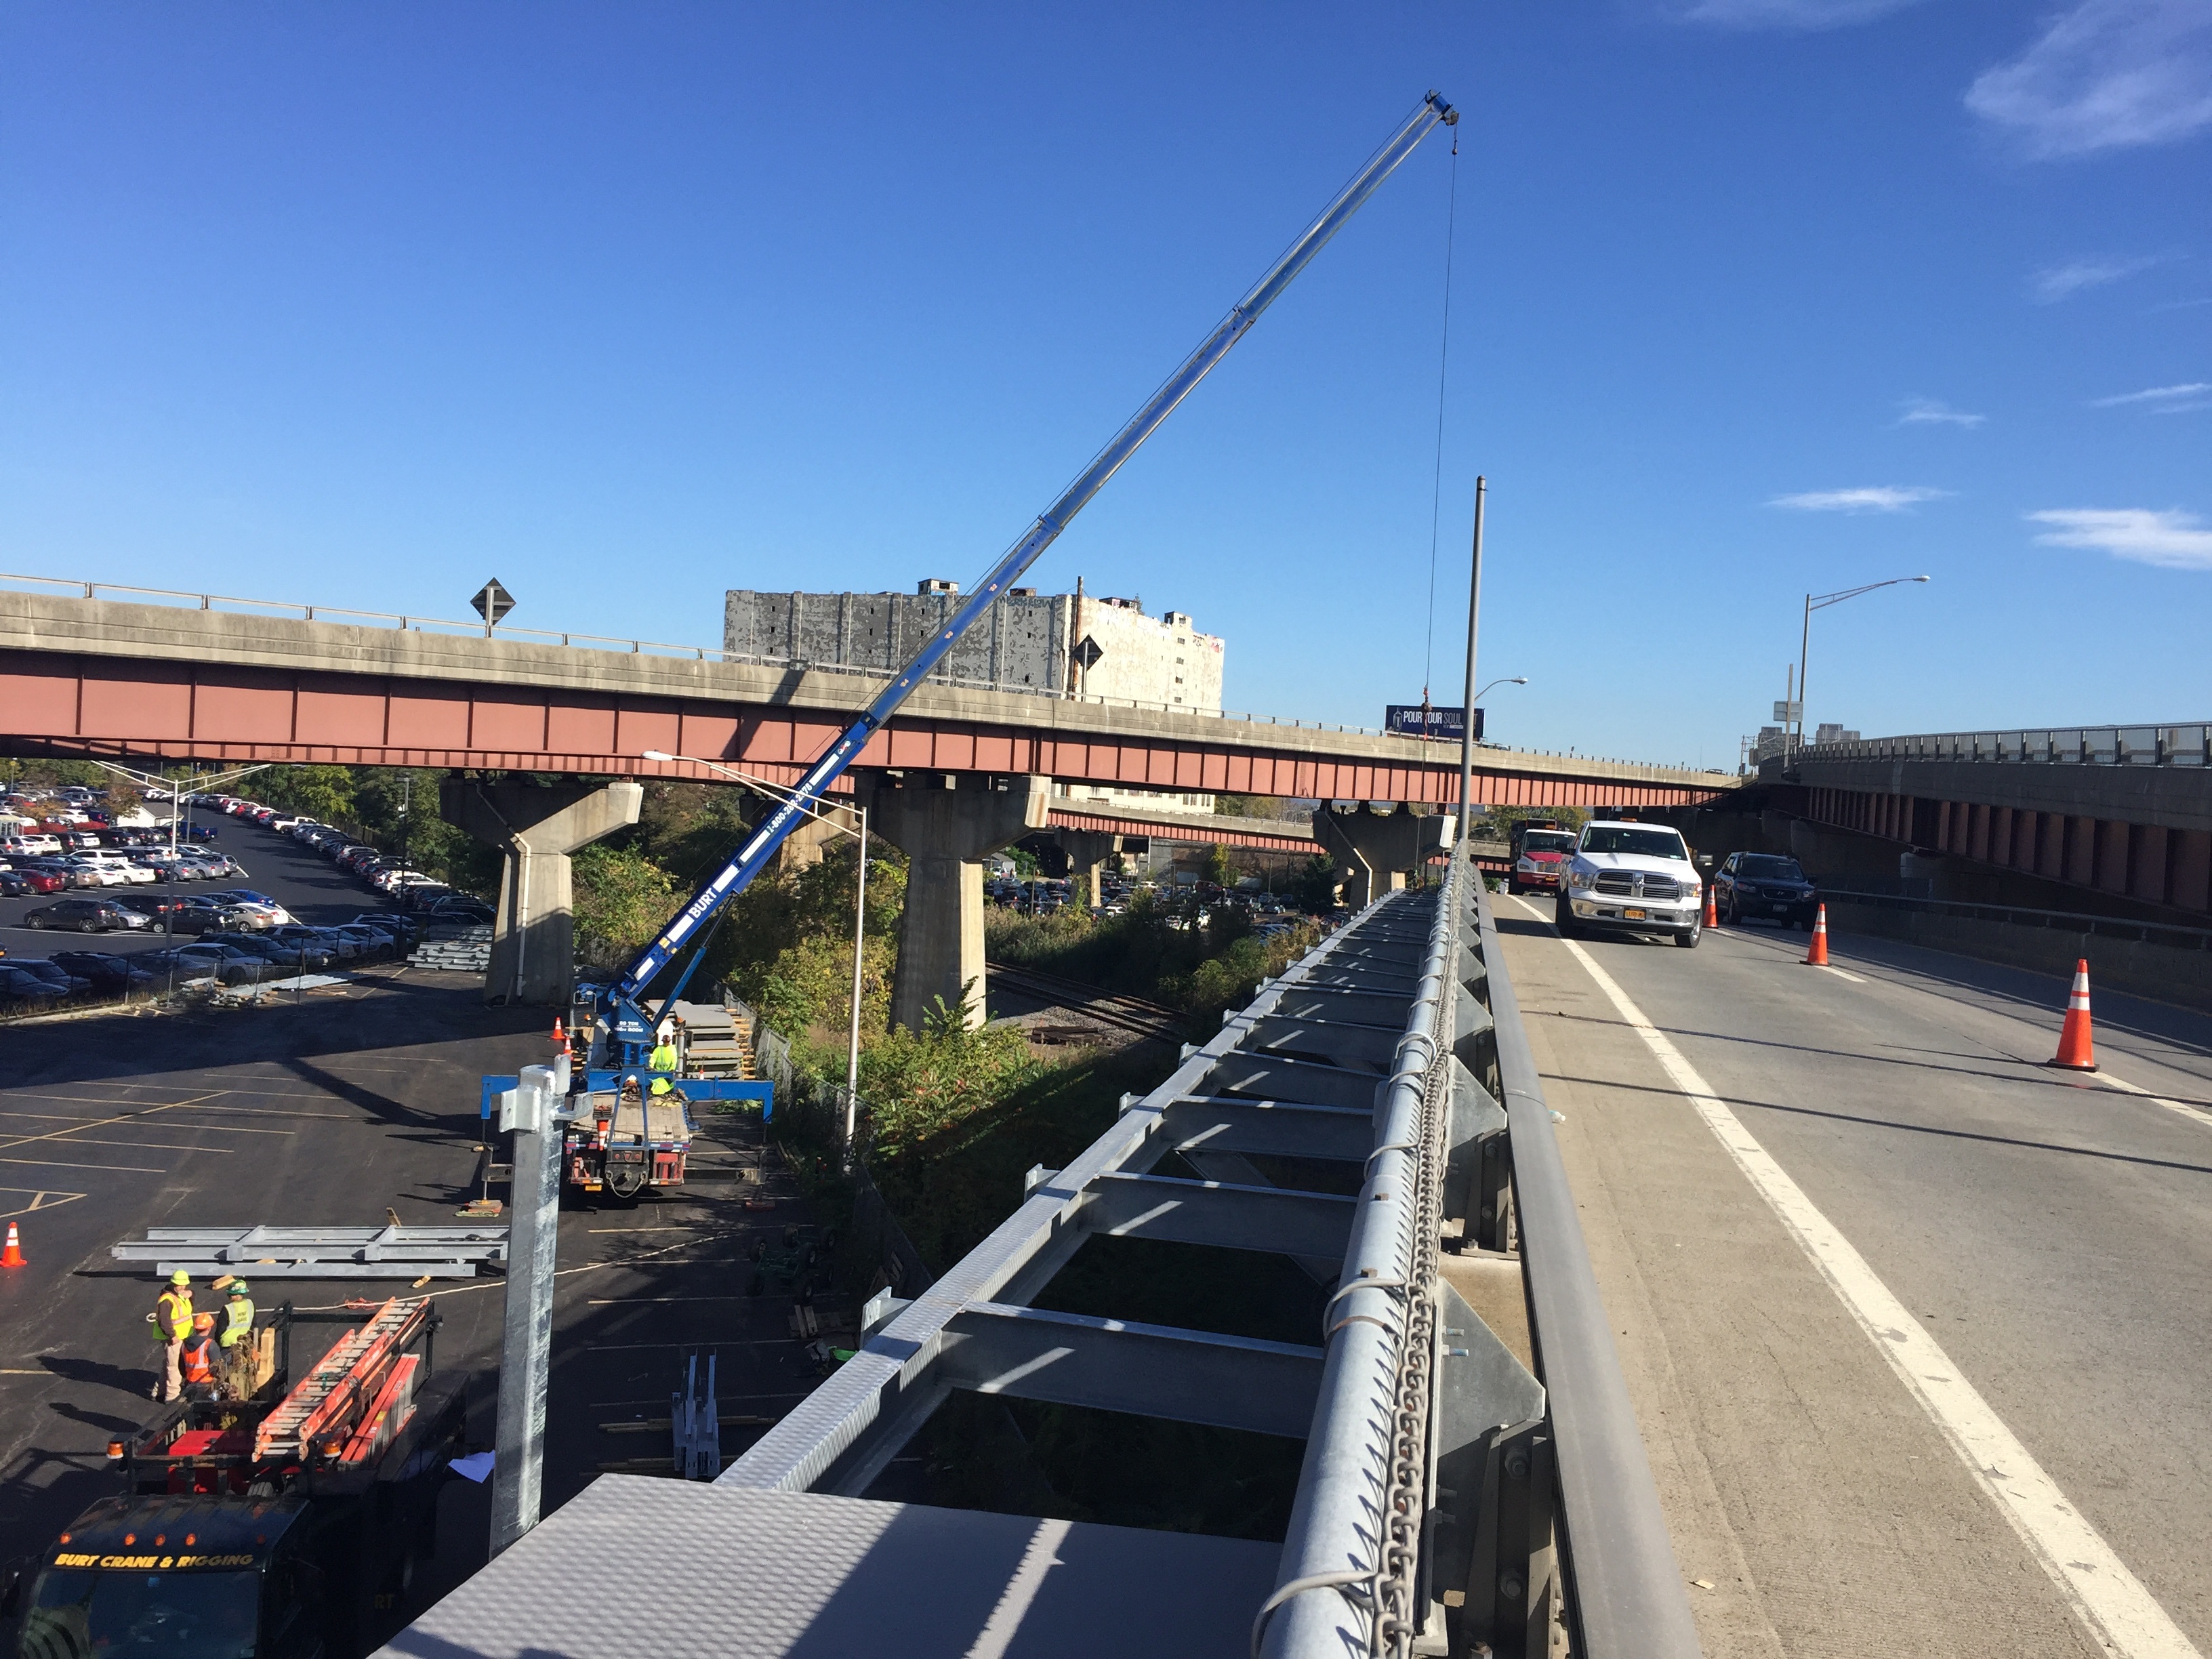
x=2163, y=399
x=1879, y=498
x=2055, y=282
x=1934, y=411
x=2173, y=538
x=1788, y=14
x=2106, y=75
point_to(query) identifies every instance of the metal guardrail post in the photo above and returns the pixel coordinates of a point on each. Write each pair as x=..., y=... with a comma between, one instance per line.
x=1625, y=1587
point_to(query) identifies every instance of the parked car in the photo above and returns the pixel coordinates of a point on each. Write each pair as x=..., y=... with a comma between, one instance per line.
x=64, y=982
x=17, y=987
x=38, y=880
x=1765, y=885
x=112, y=974
x=86, y=916
x=225, y=963
x=329, y=938
x=295, y=958
x=461, y=909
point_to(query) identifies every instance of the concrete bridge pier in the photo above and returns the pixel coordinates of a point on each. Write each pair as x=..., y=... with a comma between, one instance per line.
x=947, y=823
x=1087, y=852
x=533, y=944
x=1380, y=849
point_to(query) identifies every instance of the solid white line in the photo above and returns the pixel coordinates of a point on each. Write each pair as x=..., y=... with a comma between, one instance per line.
x=1840, y=974
x=2194, y=1114
x=2120, y=1613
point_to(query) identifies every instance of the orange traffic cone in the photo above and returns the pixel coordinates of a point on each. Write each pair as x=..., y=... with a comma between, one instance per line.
x=1712, y=910
x=2076, y=1052
x=560, y=1037
x=12, y=1256
x=1816, y=954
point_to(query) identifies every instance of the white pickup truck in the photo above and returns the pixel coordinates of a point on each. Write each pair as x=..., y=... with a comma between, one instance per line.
x=1632, y=878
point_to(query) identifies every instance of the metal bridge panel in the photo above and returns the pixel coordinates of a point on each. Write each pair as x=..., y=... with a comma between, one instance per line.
x=1278, y=1220
x=1150, y=1370
x=1268, y=1129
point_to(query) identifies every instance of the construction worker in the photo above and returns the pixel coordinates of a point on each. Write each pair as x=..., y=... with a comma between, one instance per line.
x=665, y=1057
x=172, y=1320
x=198, y=1358
x=237, y=1341
x=664, y=1090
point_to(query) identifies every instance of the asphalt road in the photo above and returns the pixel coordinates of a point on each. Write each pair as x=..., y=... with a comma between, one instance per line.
x=353, y=1099
x=2048, y=1235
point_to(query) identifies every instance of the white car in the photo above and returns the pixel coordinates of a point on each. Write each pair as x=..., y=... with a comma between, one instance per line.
x=1630, y=879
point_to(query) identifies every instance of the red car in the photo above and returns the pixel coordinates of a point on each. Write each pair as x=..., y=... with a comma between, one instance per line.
x=41, y=881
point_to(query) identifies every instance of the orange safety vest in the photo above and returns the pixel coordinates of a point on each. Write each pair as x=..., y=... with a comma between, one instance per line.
x=199, y=1360
x=172, y=1315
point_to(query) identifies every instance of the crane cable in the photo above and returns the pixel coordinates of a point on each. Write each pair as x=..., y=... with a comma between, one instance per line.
x=1436, y=489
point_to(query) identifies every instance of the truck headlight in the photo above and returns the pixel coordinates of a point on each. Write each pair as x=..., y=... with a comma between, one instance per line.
x=1582, y=878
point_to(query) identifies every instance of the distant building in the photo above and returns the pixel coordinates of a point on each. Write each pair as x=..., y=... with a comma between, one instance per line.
x=1828, y=732
x=1055, y=645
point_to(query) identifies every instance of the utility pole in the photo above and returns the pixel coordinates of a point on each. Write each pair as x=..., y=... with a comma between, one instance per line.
x=1467, y=713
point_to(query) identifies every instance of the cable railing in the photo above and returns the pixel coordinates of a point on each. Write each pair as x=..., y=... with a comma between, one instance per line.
x=72, y=587
x=2185, y=744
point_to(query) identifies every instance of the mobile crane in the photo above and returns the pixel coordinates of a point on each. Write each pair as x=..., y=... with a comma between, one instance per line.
x=623, y=1028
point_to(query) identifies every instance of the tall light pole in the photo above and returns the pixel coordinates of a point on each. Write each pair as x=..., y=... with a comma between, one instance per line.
x=1473, y=629
x=1821, y=602
x=859, y=912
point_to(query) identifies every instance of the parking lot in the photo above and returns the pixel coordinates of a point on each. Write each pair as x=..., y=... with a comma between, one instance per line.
x=333, y=1109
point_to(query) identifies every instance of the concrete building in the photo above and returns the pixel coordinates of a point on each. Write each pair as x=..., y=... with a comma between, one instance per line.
x=1057, y=644
x=1054, y=644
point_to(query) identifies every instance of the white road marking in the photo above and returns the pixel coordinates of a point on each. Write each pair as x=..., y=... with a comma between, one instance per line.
x=2120, y=1613
x=2194, y=1114
x=1839, y=973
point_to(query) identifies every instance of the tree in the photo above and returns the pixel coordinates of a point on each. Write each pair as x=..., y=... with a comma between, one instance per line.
x=1219, y=870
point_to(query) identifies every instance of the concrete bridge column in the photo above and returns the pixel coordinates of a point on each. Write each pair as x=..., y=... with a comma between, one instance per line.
x=1087, y=852
x=1380, y=849
x=533, y=944
x=947, y=825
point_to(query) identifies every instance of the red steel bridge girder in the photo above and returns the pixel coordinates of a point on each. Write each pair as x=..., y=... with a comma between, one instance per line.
x=64, y=705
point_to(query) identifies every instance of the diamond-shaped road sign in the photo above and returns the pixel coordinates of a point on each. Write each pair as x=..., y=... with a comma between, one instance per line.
x=1088, y=653
x=494, y=601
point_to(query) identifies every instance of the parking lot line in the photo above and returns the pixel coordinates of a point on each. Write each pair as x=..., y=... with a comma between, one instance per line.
x=212, y=1128
x=150, y=1145
x=57, y=1163
x=147, y=1112
x=40, y=1199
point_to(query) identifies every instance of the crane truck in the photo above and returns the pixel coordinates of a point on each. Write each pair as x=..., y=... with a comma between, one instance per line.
x=282, y=1526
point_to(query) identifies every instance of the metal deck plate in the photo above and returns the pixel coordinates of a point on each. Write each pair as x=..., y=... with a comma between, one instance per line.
x=633, y=1568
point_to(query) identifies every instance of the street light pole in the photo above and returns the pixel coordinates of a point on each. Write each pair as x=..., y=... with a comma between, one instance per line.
x=1821, y=602
x=1467, y=712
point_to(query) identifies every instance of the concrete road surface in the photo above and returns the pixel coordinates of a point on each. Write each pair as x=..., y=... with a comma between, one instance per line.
x=2025, y=1470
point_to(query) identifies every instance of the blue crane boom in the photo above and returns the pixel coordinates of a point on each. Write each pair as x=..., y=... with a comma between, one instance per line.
x=631, y=1028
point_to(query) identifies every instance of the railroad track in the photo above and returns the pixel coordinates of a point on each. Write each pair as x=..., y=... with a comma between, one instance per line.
x=1150, y=1020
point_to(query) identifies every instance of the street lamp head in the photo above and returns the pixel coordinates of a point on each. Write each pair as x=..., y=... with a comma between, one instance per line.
x=1523, y=679
x=657, y=755
x=1920, y=578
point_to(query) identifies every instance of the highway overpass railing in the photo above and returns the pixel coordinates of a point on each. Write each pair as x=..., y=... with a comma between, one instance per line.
x=1463, y=1490
x=2079, y=923
x=2189, y=744
x=72, y=587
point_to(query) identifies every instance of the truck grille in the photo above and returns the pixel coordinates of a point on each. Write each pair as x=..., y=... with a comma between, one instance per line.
x=1621, y=883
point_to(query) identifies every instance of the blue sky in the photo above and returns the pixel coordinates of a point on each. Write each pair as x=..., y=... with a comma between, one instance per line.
x=362, y=305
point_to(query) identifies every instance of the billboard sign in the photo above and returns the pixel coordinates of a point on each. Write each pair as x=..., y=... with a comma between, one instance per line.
x=1410, y=719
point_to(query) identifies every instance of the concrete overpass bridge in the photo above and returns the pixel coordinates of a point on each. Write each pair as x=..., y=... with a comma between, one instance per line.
x=960, y=773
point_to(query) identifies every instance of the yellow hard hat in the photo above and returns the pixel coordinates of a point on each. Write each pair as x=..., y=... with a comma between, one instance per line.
x=180, y=1277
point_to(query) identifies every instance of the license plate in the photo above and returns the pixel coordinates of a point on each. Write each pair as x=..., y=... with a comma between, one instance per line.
x=1781, y=909
x=1633, y=915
